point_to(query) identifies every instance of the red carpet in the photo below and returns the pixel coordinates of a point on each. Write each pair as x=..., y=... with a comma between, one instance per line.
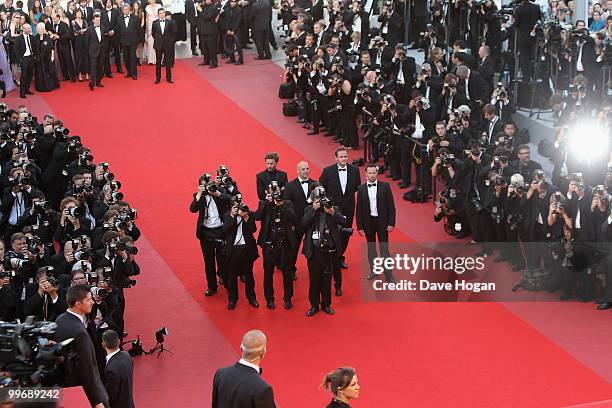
x=159, y=139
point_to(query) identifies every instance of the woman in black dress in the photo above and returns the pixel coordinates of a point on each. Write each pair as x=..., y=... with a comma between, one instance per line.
x=344, y=385
x=81, y=55
x=45, y=78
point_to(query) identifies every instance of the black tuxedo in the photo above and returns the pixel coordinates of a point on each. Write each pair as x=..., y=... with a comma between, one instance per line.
x=264, y=178
x=64, y=48
x=240, y=258
x=322, y=264
x=84, y=370
x=260, y=16
x=208, y=29
x=375, y=226
x=42, y=306
x=114, y=41
x=241, y=386
x=88, y=14
x=128, y=36
x=330, y=179
x=231, y=19
x=118, y=380
x=294, y=192
x=192, y=16
x=27, y=63
x=487, y=71
x=163, y=43
x=393, y=25
x=211, y=239
x=526, y=16
x=97, y=50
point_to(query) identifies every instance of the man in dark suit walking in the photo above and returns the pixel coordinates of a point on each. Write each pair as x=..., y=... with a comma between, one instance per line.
x=95, y=37
x=84, y=370
x=208, y=28
x=118, y=373
x=164, y=37
x=129, y=27
x=241, y=385
x=270, y=174
x=341, y=181
x=62, y=34
x=375, y=216
x=260, y=16
x=109, y=18
x=297, y=191
x=25, y=53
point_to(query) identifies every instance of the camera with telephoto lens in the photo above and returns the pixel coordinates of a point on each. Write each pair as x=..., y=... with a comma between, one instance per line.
x=447, y=159
x=275, y=190
x=74, y=143
x=41, y=206
x=102, y=293
x=61, y=132
x=324, y=199
x=20, y=181
x=34, y=243
x=16, y=261
x=76, y=212
x=211, y=187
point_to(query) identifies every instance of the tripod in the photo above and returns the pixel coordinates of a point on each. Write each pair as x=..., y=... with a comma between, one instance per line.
x=159, y=347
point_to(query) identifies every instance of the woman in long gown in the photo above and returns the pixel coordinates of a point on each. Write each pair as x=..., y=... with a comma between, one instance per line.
x=45, y=77
x=151, y=12
x=81, y=55
x=139, y=12
x=6, y=76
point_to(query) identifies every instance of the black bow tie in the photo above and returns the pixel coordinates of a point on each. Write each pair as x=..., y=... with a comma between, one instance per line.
x=304, y=182
x=371, y=185
x=341, y=169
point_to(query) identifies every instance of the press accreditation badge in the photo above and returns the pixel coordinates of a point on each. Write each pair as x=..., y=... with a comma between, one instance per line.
x=316, y=235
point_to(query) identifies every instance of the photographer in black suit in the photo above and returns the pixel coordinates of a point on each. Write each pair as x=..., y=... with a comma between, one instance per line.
x=129, y=27
x=164, y=36
x=208, y=28
x=241, y=385
x=375, y=216
x=84, y=370
x=341, y=181
x=211, y=205
x=241, y=251
x=526, y=16
x=297, y=191
x=118, y=373
x=270, y=174
x=96, y=39
x=322, y=244
x=25, y=54
x=277, y=241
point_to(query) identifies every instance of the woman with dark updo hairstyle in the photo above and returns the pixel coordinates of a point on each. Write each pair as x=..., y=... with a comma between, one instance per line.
x=344, y=385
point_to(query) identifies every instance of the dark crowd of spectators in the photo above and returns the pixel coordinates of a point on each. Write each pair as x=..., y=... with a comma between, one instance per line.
x=446, y=128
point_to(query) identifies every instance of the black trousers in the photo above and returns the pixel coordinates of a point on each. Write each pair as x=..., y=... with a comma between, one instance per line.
x=239, y=264
x=271, y=37
x=193, y=33
x=406, y=159
x=299, y=236
x=115, y=46
x=279, y=256
x=158, y=65
x=321, y=266
x=95, y=69
x=65, y=60
x=208, y=45
x=262, y=42
x=214, y=262
x=27, y=73
x=129, y=58
x=375, y=230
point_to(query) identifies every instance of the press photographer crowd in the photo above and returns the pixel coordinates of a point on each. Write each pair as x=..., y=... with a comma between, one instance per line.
x=67, y=255
x=445, y=130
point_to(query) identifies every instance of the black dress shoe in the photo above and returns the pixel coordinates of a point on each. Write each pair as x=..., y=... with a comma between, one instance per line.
x=312, y=311
x=604, y=306
x=90, y=88
x=203, y=63
x=127, y=76
x=259, y=58
x=328, y=310
x=396, y=178
x=120, y=71
x=134, y=77
x=28, y=92
x=194, y=52
x=100, y=85
x=170, y=81
x=254, y=303
x=210, y=292
x=312, y=132
x=343, y=265
x=230, y=61
x=403, y=185
x=239, y=63
x=288, y=304
x=212, y=66
x=231, y=305
x=564, y=297
x=157, y=81
x=23, y=96
x=371, y=276
x=109, y=75
x=338, y=292
x=271, y=305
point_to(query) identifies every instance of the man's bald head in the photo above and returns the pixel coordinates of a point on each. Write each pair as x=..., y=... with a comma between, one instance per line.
x=303, y=169
x=253, y=345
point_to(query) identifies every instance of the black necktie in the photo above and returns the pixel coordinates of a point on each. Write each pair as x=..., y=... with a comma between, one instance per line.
x=28, y=44
x=371, y=185
x=56, y=26
x=341, y=169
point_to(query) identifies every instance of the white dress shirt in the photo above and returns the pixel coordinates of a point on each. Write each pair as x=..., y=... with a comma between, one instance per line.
x=213, y=220
x=28, y=45
x=162, y=25
x=81, y=318
x=304, y=184
x=98, y=33
x=239, y=240
x=372, y=190
x=342, y=175
x=246, y=363
x=109, y=356
x=18, y=208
